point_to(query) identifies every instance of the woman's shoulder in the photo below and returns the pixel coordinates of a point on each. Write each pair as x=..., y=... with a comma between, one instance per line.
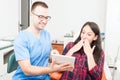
x=102, y=53
x=70, y=44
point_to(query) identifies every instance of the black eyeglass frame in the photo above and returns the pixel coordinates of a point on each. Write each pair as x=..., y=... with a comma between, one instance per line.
x=42, y=17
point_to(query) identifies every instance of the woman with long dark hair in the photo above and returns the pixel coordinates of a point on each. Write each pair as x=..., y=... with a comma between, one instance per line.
x=88, y=52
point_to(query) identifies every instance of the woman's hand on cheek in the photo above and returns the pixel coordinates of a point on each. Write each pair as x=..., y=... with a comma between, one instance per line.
x=87, y=48
x=78, y=45
x=75, y=48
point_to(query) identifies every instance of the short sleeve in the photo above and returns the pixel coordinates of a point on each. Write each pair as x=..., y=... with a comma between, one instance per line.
x=21, y=48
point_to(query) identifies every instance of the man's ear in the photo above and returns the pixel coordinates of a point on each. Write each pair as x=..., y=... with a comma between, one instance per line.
x=30, y=13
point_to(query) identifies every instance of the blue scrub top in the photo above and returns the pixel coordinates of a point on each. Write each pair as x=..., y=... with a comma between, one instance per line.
x=28, y=47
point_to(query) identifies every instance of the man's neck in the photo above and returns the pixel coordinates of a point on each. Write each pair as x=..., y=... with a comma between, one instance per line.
x=35, y=31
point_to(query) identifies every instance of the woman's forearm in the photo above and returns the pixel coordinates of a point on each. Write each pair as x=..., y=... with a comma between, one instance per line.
x=91, y=61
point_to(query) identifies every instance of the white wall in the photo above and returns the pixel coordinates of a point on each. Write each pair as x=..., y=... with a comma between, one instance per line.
x=112, y=38
x=8, y=18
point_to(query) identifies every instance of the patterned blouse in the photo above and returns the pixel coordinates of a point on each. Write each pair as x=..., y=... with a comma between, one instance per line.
x=80, y=71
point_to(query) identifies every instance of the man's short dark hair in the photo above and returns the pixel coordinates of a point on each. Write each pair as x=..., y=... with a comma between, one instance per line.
x=38, y=3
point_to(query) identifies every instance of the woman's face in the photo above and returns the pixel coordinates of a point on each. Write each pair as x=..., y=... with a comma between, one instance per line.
x=88, y=34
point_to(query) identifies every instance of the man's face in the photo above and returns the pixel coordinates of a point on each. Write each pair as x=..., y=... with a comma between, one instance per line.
x=39, y=17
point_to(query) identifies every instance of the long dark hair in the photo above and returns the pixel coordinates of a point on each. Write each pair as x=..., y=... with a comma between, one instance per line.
x=98, y=47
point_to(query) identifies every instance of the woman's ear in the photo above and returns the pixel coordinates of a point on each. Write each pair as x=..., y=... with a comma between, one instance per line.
x=95, y=38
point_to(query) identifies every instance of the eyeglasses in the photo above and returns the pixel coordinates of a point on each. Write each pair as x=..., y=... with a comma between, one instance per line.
x=41, y=17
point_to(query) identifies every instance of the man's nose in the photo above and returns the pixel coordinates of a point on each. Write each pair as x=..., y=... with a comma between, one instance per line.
x=44, y=20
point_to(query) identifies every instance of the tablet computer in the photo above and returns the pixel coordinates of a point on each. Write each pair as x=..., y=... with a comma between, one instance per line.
x=62, y=59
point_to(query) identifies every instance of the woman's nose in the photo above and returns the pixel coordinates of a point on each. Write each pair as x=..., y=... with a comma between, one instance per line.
x=84, y=36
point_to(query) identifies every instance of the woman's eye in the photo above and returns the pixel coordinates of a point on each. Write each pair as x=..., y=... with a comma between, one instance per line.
x=83, y=32
x=89, y=34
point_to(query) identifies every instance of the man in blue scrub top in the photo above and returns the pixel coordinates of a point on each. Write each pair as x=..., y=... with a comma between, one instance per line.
x=32, y=48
